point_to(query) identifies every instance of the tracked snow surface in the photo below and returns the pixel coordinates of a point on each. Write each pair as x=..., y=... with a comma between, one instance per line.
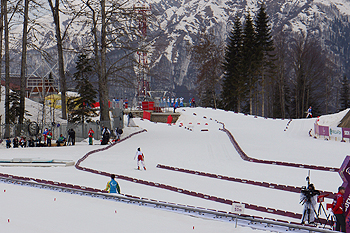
x=194, y=143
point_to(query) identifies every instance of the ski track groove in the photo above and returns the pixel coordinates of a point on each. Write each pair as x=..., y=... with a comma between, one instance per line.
x=245, y=157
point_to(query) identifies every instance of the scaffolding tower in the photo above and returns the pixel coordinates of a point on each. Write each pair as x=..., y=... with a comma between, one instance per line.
x=142, y=11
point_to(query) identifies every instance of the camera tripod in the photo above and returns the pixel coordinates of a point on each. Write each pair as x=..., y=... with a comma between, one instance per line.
x=320, y=210
x=308, y=212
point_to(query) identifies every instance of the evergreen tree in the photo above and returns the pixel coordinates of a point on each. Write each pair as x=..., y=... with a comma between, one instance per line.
x=80, y=108
x=344, y=94
x=265, y=47
x=14, y=110
x=249, y=58
x=233, y=85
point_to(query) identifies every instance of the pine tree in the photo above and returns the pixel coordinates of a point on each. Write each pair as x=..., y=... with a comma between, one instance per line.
x=265, y=48
x=233, y=86
x=80, y=108
x=344, y=94
x=14, y=111
x=249, y=58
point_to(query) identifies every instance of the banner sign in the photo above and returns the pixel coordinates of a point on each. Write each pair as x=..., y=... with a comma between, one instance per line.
x=335, y=132
x=322, y=130
x=238, y=208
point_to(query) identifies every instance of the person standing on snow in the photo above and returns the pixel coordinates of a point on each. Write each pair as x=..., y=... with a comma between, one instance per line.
x=130, y=116
x=105, y=135
x=91, y=136
x=338, y=210
x=71, y=137
x=309, y=112
x=8, y=142
x=48, y=137
x=45, y=134
x=112, y=185
x=140, y=157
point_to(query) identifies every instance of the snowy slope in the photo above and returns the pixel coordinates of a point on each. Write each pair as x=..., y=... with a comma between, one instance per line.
x=35, y=110
x=208, y=151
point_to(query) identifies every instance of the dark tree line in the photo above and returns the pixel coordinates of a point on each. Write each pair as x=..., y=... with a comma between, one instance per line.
x=276, y=76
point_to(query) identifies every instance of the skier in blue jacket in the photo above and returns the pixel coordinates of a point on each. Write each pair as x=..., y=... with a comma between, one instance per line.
x=112, y=185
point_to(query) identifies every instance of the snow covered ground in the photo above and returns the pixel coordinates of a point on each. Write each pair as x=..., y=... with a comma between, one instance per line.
x=35, y=210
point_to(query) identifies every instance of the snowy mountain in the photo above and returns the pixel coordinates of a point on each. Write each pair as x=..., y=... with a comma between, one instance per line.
x=175, y=24
x=181, y=22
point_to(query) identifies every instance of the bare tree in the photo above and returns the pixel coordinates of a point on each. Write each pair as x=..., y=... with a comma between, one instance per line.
x=7, y=69
x=280, y=64
x=113, y=31
x=55, y=10
x=2, y=11
x=208, y=55
x=23, y=61
x=309, y=64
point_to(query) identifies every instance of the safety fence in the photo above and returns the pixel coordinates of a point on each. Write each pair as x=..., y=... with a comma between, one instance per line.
x=35, y=130
x=243, y=181
x=329, y=133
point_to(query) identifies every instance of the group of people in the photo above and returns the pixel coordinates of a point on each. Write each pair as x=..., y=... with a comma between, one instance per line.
x=120, y=103
x=41, y=141
x=106, y=135
x=176, y=102
x=22, y=142
x=47, y=134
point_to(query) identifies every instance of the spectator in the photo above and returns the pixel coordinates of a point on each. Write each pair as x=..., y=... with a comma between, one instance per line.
x=193, y=104
x=105, y=136
x=71, y=136
x=31, y=142
x=91, y=136
x=48, y=137
x=118, y=132
x=38, y=142
x=61, y=140
x=8, y=142
x=130, y=116
x=45, y=134
x=23, y=142
x=338, y=210
x=15, y=142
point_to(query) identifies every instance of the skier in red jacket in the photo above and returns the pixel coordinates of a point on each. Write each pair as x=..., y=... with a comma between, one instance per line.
x=338, y=210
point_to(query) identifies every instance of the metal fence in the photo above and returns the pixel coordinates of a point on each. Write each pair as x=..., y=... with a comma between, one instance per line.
x=34, y=130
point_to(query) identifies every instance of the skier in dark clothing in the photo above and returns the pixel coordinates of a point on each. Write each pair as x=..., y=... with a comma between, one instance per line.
x=15, y=142
x=105, y=136
x=130, y=116
x=71, y=136
x=8, y=142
